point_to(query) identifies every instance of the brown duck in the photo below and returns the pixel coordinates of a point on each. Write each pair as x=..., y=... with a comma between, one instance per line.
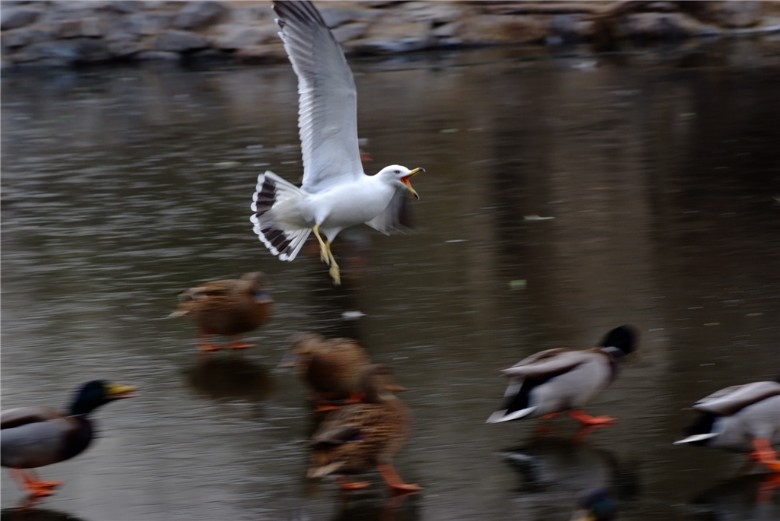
x=330, y=368
x=229, y=307
x=359, y=437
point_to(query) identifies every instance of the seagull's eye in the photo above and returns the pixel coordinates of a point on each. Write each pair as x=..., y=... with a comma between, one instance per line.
x=397, y=171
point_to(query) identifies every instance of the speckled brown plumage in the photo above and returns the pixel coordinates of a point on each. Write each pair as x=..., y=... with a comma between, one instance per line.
x=330, y=368
x=229, y=307
x=359, y=437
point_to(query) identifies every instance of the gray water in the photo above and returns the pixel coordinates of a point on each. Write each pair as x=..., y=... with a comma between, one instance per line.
x=563, y=196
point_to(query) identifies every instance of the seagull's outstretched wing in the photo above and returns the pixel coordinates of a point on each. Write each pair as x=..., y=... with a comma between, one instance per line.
x=327, y=103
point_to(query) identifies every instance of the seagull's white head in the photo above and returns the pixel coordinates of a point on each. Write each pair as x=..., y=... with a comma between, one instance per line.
x=400, y=176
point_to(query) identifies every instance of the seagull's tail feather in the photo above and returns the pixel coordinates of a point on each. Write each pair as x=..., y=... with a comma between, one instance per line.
x=281, y=240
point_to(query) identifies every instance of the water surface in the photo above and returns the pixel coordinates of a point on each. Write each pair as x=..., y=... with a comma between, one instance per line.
x=563, y=196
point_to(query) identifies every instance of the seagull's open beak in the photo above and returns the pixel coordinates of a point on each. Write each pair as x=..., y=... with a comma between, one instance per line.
x=408, y=184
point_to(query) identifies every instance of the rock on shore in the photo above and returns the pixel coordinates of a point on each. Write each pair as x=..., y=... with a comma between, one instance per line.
x=75, y=32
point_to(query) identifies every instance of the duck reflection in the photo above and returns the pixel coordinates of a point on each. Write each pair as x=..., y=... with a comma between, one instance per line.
x=754, y=497
x=375, y=508
x=557, y=465
x=229, y=378
x=36, y=514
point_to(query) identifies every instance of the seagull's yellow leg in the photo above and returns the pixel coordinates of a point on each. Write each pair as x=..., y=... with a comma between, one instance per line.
x=324, y=250
x=334, y=272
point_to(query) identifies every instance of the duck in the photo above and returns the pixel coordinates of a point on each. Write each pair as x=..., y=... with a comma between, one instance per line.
x=557, y=380
x=331, y=368
x=595, y=505
x=34, y=437
x=740, y=418
x=227, y=307
x=359, y=437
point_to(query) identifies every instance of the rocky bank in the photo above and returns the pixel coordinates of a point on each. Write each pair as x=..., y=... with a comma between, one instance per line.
x=71, y=33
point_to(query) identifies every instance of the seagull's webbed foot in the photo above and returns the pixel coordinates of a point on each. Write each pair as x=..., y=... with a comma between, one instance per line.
x=335, y=274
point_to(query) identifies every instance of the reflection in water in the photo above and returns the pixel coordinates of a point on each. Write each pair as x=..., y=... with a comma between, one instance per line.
x=336, y=310
x=231, y=377
x=393, y=508
x=554, y=471
x=560, y=466
x=746, y=498
x=36, y=514
x=122, y=186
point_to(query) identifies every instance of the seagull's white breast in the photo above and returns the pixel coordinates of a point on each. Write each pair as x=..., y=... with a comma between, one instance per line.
x=352, y=203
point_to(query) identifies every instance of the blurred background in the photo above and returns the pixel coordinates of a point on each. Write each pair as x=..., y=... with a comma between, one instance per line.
x=568, y=189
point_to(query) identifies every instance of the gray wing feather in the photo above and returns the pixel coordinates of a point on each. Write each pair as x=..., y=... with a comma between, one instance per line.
x=327, y=104
x=732, y=399
x=34, y=444
x=24, y=415
x=548, y=362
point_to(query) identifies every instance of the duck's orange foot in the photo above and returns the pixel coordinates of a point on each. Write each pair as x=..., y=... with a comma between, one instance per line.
x=767, y=488
x=405, y=488
x=39, y=489
x=208, y=348
x=764, y=454
x=326, y=407
x=350, y=486
x=773, y=466
x=591, y=421
x=240, y=345
x=394, y=481
x=543, y=430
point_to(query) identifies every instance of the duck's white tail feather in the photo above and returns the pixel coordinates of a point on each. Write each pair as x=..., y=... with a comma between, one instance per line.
x=696, y=437
x=502, y=416
x=282, y=240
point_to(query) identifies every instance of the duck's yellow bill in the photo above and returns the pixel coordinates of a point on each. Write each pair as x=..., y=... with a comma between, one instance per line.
x=117, y=391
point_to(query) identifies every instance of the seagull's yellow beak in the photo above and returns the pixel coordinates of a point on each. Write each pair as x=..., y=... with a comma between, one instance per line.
x=408, y=184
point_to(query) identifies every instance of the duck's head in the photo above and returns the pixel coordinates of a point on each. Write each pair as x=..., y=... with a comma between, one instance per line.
x=304, y=347
x=620, y=341
x=93, y=394
x=377, y=383
x=259, y=294
x=400, y=176
x=596, y=505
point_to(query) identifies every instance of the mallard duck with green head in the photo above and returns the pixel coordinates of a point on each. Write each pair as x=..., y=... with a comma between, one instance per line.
x=740, y=418
x=34, y=437
x=228, y=307
x=561, y=379
x=357, y=438
x=332, y=368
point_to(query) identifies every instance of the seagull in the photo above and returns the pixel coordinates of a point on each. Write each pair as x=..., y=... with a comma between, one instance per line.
x=335, y=193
